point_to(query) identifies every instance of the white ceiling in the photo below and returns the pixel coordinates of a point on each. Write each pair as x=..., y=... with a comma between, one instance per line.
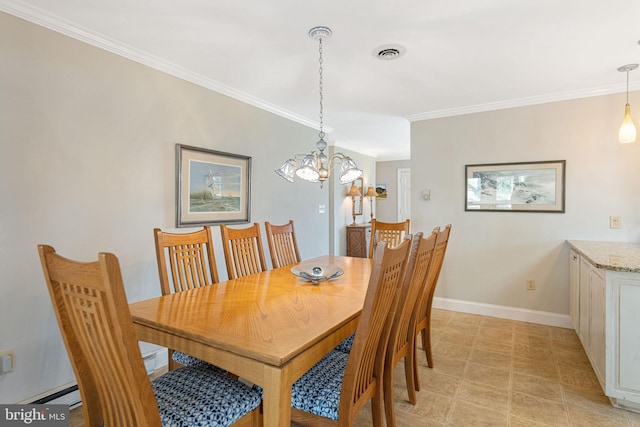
x=461, y=56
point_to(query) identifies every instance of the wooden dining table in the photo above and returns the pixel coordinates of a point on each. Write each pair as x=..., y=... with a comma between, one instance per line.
x=268, y=328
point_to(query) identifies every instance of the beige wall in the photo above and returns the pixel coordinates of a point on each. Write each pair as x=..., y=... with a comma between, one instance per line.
x=343, y=212
x=87, y=164
x=387, y=173
x=492, y=254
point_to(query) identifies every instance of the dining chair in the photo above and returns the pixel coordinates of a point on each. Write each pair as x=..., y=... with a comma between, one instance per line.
x=402, y=337
x=185, y=261
x=425, y=301
x=91, y=308
x=391, y=232
x=283, y=246
x=340, y=384
x=243, y=253
x=347, y=343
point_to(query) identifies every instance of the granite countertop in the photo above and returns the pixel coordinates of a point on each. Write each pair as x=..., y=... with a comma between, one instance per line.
x=615, y=256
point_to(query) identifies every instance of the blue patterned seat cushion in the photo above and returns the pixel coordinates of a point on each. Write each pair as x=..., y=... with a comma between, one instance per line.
x=196, y=396
x=188, y=360
x=345, y=346
x=318, y=391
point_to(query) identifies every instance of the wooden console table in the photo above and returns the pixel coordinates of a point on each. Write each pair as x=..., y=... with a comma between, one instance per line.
x=358, y=238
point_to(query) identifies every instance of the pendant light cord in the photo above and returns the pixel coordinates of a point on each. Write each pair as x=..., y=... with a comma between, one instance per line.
x=627, y=86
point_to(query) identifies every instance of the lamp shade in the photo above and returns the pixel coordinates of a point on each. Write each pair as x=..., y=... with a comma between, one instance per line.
x=349, y=171
x=287, y=170
x=371, y=192
x=627, y=133
x=354, y=191
x=308, y=170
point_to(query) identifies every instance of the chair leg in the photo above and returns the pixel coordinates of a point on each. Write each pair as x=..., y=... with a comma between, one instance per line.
x=388, y=392
x=377, y=408
x=426, y=343
x=172, y=363
x=416, y=380
x=410, y=375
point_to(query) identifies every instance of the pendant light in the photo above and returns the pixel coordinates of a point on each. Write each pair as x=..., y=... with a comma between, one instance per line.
x=316, y=166
x=627, y=133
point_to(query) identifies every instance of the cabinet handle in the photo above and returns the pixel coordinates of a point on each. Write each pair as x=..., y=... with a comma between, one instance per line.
x=575, y=257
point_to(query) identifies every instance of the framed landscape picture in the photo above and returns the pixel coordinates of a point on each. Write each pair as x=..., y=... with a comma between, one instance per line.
x=212, y=187
x=516, y=187
x=381, y=191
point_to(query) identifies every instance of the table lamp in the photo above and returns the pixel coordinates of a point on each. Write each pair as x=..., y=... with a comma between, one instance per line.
x=371, y=193
x=354, y=192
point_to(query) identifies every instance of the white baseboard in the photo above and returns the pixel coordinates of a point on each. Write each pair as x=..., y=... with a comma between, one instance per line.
x=503, y=312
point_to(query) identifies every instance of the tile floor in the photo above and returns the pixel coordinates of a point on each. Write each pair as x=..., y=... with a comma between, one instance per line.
x=497, y=372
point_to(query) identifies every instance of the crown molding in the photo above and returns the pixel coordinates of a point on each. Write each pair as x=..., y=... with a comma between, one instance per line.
x=59, y=25
x=521, y=102
x=55, y=23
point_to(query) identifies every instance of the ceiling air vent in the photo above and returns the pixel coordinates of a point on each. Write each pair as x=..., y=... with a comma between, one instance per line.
x=389, y=52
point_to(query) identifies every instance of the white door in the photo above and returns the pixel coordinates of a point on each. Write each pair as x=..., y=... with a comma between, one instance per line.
x=404, y=194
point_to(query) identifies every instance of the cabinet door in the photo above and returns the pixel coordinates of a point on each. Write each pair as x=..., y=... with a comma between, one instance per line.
x=583, y=333
x=574, y=289
x=358, y=240
x=597, y=326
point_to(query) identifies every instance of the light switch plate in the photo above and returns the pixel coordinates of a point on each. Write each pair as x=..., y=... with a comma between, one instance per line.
x=615, y=221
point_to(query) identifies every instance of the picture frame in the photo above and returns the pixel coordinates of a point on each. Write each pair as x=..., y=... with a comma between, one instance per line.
x=381, y=191
x=516, y=187
x=212, y=187
x=357, y=207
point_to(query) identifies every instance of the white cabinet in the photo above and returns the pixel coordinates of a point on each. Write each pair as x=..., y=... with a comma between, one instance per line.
x=605, y=310
x=596, y=322
x=574, y=292
x=584, y=299
x=589, y=294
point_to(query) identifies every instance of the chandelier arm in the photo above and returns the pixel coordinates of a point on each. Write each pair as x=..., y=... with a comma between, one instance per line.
x=333, y=158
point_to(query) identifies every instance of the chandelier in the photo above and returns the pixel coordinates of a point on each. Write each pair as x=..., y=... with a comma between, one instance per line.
x=316, y=167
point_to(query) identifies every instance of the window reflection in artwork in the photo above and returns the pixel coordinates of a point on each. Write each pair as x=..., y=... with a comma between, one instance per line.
x=537, y=186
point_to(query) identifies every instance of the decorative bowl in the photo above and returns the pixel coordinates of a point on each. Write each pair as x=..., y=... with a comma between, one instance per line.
x=315, y=273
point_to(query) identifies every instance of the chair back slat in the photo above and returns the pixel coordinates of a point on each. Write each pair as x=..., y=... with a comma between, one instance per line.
x=391, y=232
x=243, y=250
x=283, y=246
x=93, y=315
x=363, y=373
x=188, y=258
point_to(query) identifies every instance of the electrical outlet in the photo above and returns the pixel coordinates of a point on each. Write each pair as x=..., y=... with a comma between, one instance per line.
x=531, y=285
x=615, y=221
x=7, y=361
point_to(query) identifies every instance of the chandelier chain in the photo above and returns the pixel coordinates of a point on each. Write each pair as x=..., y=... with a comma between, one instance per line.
x=317, y=166
x=321, y=81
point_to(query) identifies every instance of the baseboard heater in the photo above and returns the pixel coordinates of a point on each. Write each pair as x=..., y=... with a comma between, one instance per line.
x=69, y=395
